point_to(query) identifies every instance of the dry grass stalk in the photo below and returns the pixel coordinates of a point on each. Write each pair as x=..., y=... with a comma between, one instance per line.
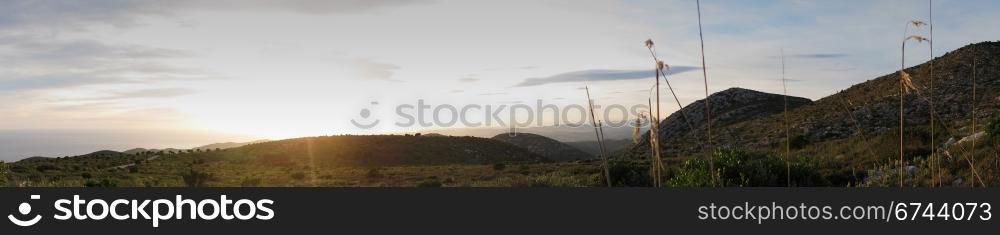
x=788, y=135
x=597, y=133
x=972, y=153
x=653, y=145
x=936, y=162
x=905, y=85
x=708, y=110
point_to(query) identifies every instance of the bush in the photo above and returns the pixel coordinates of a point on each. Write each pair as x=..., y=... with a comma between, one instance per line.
x=250, y=182
x=197, y=178
x=104, y=183
x=373, y=173
x=86, y=175
x=993, y=128
x=628, y=173
x=3, y=173
x=46, y=167
x=299, y=176
x=739, y=168
x=499, y=167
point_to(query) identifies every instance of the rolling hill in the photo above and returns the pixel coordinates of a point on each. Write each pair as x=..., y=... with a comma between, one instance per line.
x=858, y=123
x=378, y=150
x=544, y=146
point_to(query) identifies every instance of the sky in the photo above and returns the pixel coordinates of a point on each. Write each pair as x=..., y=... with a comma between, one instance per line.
x=120, y=73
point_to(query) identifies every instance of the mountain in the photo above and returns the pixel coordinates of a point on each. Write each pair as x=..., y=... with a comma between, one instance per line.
x=544, y=146
x=377, y=150
x=729, y=107
x=615, y=146
x=866, y=113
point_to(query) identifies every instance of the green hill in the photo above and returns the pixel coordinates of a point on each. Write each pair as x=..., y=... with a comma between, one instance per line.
x=378, y=150
x=544, y=146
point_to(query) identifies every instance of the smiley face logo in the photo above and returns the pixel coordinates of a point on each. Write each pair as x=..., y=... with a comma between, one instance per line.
x=365, y=114
x=25, y=209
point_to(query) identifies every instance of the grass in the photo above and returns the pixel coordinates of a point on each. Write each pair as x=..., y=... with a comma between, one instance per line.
x=597, y=133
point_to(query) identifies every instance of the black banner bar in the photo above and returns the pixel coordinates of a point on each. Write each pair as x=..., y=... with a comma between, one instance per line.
x=505, y=210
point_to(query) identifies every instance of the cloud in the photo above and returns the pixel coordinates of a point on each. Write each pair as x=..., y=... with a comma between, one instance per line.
x=36, y=62
x=144, y=93
x=600, y=75
x=468, y=79
x=493, y=93
x=814, y=56
x=77, y=15
x=368, y=69
x=457, y=91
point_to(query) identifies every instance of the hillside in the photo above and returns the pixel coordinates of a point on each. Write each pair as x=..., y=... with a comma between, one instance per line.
x=615, y=146
x=874, y=105
x=544, y=146
x=228, y=145
x=861, y=123
x=378, y=150
x=729, y=107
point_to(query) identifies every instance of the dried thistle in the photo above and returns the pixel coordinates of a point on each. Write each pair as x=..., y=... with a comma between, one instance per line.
x=917, y=23
x=661, y=66
x=649, y=43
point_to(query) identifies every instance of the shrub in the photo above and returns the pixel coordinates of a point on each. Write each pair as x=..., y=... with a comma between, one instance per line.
x=499, y=167
x=46, y=167
x=197, y=178
x=3, y=173
x=104, y=183
x=250, y=182
x=628, y=173
x=86, y=175
x=739, y=168
x=133, y=169
x=299, y=176
x=798, y=142
x=993, y=127
x=373, y=173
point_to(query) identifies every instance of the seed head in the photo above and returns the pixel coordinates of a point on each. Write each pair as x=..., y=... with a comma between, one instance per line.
x=917, y=23
x=918, y=38
x=649, y=43
x=660, y=65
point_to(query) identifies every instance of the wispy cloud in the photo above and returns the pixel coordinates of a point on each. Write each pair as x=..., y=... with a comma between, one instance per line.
x=468, y=79
x=814, y=56
x=493, y=93
x=367, y=69
x=600, y=75
x=77, y=16
x=145, y=93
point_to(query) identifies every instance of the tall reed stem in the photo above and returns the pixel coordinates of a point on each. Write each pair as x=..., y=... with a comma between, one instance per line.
x=708, y=110
x=972, y=153
x=788, y=135
x=936, y=170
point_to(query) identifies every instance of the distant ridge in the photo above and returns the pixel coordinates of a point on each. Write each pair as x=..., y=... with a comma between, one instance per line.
x=544, y=146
